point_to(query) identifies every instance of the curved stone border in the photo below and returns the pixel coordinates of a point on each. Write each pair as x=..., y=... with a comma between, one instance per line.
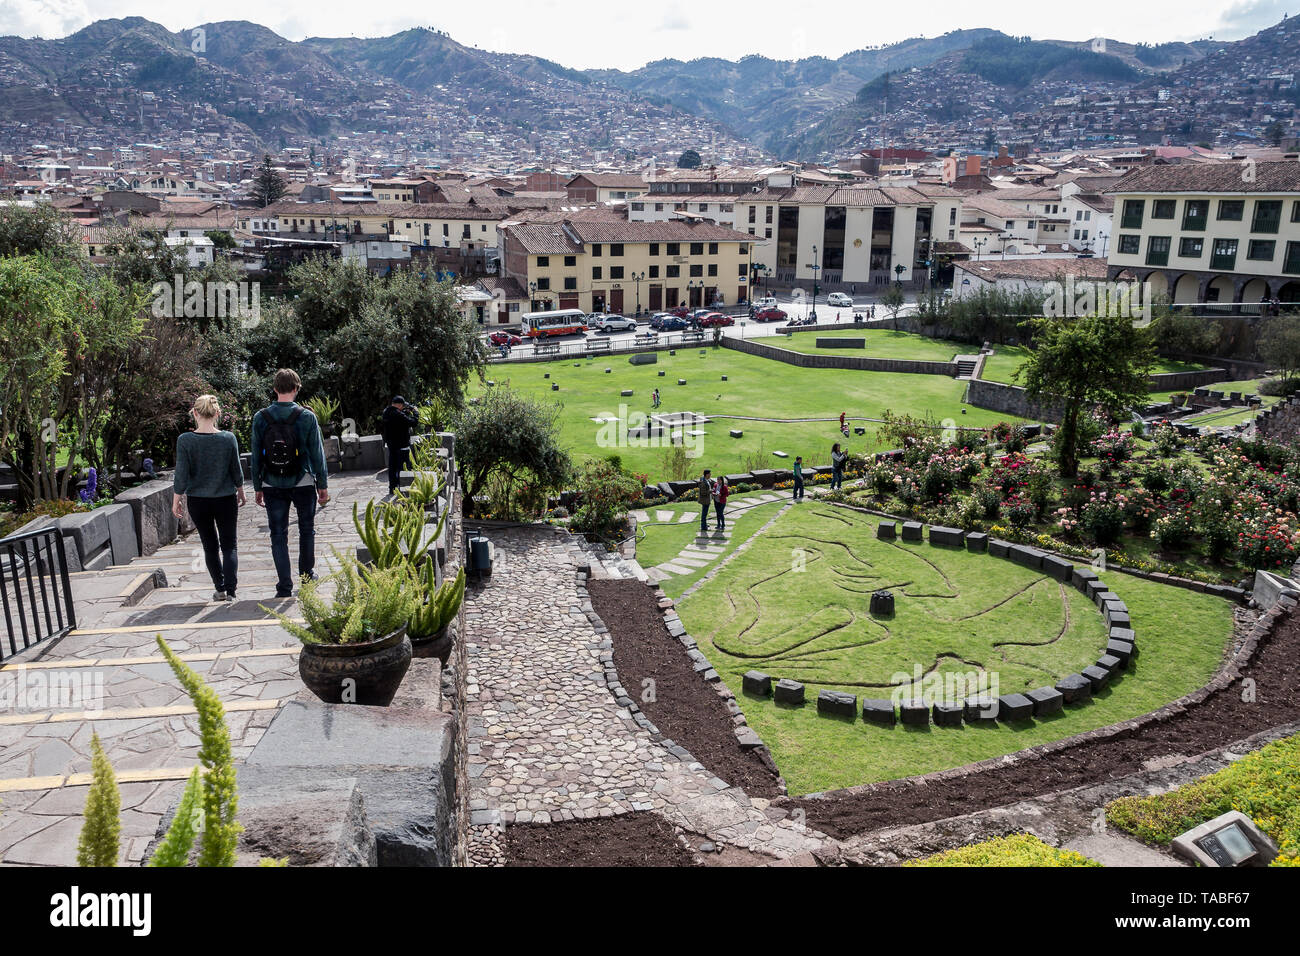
x=745, y=735
x=1078, y=688
x=1227, y=675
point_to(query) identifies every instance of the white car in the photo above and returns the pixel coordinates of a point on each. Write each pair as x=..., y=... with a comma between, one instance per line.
x=840, y=299
x=613, y=323
x=767, y=302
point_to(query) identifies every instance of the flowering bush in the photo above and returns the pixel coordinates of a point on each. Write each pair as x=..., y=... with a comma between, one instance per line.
x=1139, y=509
x=1112, y=447
x=1173, y=529
x=1102, y=518
x=1166, y=439
x=989, y=500
x=1020, y=511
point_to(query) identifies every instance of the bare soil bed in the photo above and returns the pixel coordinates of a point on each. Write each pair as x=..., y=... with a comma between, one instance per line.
x=629, y=839
x=684, y=708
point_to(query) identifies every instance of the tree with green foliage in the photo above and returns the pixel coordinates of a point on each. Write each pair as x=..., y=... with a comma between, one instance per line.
x=268, y=184
x=506, y=441
x=40, y=229
x=690, y=159
x=1180, y=332
x=1083, y=363
x=893, y=300
x=1279, y=344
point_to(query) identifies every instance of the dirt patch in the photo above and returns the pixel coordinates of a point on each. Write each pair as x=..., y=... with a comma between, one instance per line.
x=685, y=708
x=1223, y=717
x=629, y=839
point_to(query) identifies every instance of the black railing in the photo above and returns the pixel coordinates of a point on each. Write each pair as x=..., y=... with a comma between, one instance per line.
x=34, y=589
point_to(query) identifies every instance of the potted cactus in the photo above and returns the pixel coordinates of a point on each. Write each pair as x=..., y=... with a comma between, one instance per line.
x=354, y=645
x=429, y=622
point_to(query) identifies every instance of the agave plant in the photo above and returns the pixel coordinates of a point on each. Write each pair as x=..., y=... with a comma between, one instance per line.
x=368, y=603
x=324, y=408
x=443, y=602
x=424, y=489
x=396, y=535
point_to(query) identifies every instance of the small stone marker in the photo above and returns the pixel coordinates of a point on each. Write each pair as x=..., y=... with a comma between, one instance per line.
x=681, y=381
x=1075, y=689
x=737, y=433
x=837, y=704
x=882, y=604
x=626, y=392
x=914, y=713
x=661, y=373
x=1121, y=649
x=547, y=375
x=1110, y=663
x=978, y=709
x=608, y=370
x=887, y=531
x=757, y=683
x=1099, y=677
x=724, y=378
x=780, y=454
x=947, y=715
x=977, y=541
x=949, y=537
x=859, y=430
x=999, y=548
x=1047, y=701
x=1080, y=577
x=1015, y=707
x=555, y=386
x=1057, y=568
x=912, y=530
x=878, y=711
x=789, y=691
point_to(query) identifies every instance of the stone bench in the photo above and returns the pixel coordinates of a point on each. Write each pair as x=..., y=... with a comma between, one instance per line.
x=977, y=541
x=756, y=683
x=837, y=704
x=946, y=537
x=789, y=692
x=1015, y=707
x=878, y=711
x=913, y=531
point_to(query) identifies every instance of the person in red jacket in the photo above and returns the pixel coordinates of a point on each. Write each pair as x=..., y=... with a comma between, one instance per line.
x=720, y=492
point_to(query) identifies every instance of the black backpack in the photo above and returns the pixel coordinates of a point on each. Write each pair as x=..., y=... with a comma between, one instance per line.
x=280, y=446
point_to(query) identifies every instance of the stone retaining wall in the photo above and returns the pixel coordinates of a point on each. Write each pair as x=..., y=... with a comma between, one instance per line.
x=1010, y=400
x=854, y=362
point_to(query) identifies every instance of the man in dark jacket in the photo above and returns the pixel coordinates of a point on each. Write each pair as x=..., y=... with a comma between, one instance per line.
x=704, y=492
x=396, y=428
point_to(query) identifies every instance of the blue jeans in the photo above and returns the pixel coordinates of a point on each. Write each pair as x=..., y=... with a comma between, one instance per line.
x=837, y=476
x=704, y=514
x=278, y=500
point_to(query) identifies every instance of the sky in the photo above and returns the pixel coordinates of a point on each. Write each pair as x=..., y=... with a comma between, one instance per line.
x=587, y=34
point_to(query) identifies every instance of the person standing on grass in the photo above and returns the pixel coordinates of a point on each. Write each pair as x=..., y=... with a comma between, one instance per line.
x=210, y=482
x=289, y=470
x=838, y=458
x=798, y=478
x=720, y=493
x=705, y=496
x=396, y=425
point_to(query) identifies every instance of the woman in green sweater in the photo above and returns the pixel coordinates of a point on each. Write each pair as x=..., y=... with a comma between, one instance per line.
x=210, y=481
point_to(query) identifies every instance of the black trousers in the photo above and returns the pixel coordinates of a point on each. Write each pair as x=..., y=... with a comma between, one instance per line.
x=398, y=461
x=216, y=520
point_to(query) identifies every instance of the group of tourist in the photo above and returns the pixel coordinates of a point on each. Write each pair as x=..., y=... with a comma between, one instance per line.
x=288, y=472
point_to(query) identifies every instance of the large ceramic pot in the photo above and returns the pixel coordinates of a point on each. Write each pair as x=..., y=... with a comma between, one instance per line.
x=368, y=672
x=434, y=645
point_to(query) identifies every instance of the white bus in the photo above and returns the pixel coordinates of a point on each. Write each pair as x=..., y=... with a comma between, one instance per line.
x=537, y=325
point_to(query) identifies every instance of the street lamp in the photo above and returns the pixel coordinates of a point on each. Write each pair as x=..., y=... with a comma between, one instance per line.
x=1103, y=237
x=979, y=244
x=637, y=277
x=815, y=268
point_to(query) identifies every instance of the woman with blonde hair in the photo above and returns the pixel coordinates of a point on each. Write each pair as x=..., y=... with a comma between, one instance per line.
x=210, y=481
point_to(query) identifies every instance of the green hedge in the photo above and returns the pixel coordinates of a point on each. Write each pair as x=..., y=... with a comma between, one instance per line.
x=1019, y=849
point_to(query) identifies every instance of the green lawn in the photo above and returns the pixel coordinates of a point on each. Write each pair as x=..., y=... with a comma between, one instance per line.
x=956, y=613
x=881, y=343
x=1001, y=366
x=756, y=387
x=664, y=541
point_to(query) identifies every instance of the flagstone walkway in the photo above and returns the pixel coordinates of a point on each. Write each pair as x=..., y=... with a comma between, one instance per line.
x=708, y=546
x=549, y=742
x=117, y=684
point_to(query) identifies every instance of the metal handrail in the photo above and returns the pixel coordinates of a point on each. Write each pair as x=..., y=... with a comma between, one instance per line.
x=42, y=549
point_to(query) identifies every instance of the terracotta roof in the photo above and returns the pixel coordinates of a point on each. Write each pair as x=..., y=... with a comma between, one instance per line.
x=544, y=239
x=612, y=180
x=389, y=210
x=509, y=286
x=1268, y=177
x=987, y=203
x=1096, y=201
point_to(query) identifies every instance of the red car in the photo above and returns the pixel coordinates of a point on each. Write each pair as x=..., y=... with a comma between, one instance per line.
x=504, y=338
x=716, y=320
x=769, y=315
x=680, y=311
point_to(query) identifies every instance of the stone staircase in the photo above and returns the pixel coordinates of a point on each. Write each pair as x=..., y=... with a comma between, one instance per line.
x=966, y=365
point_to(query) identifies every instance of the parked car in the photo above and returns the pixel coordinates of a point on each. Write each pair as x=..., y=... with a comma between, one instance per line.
x=769, y=314
x=614, y=323
x=668, y=322
x=840, y=300
x=504, y=338
x=767, y=302
x=680, y=311
x=716, y=320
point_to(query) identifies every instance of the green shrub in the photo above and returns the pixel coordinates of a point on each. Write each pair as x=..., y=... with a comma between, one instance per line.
x=100, y=839
x=1020, y=849
x=367, y=604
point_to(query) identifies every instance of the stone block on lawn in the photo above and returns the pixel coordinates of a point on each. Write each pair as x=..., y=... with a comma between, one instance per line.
x=789, y=691
x=878, y=711
x=999, y=548
x=1102, y=598
x=555, y=386
x=1080, y=577
x=947, y=715
x=736, y=432
x=912, y=530
x=681, y=381
x=1094, y=587
x=914, y=713
x=1121, y=649
x=644, y=358
x=1075, y=688
x=1026, y=556
x=837, y=704
x=1057, y=568
x=1015, y=707
x=887, y=531
x=1110, y=663
x=757, y=683
x=1116, y=618
x=977, y=541
x=625, y=392
x=882, y=604
x=1098, y=677
x=946, y=537
x=978, y=709
x=765, y=477
x=1124, y=634
x=662, y=373
x=1046, y=700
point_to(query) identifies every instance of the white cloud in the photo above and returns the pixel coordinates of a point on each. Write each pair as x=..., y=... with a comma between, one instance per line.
x=43, y=18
